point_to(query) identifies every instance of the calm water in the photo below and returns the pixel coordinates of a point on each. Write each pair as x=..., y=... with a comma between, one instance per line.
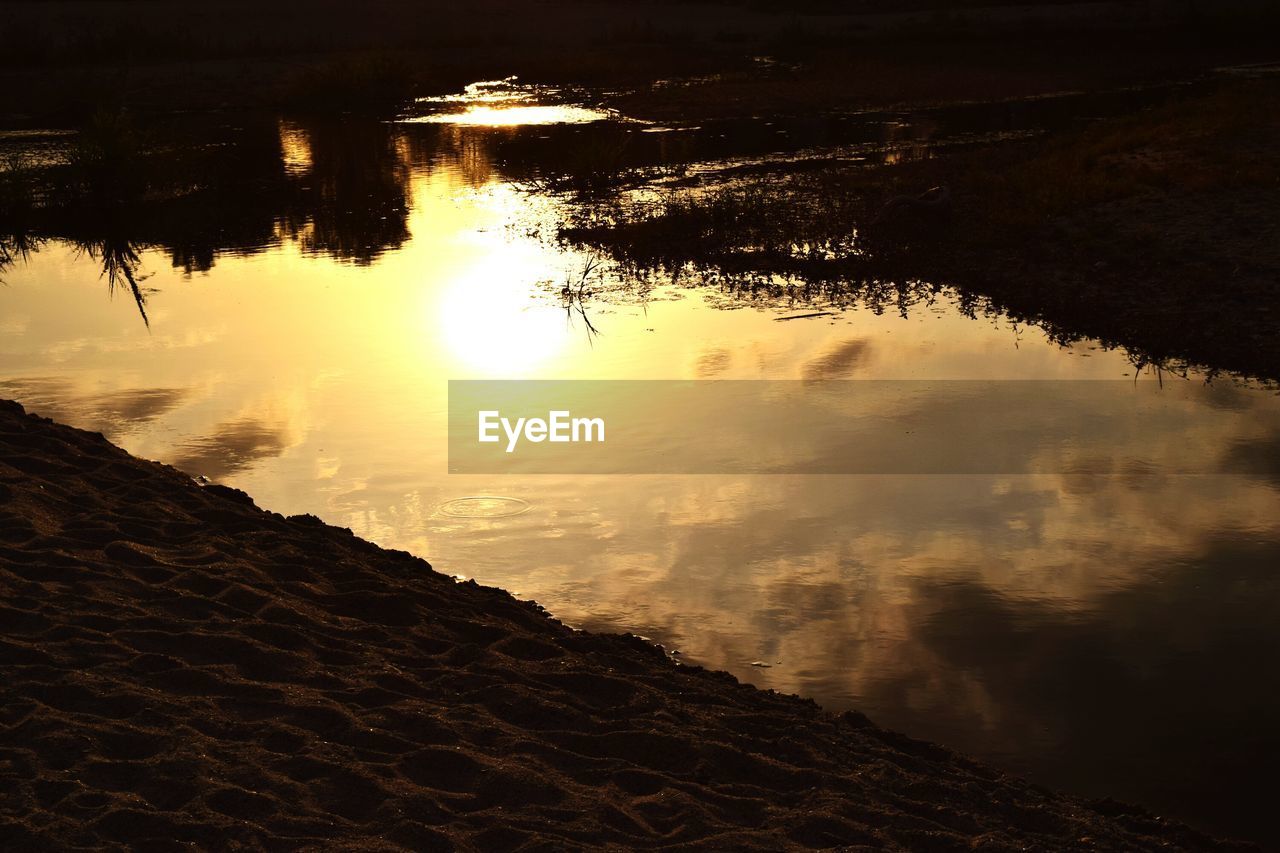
x=1104, y=625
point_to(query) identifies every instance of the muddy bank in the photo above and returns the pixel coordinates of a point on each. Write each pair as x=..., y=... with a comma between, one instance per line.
x=1155, y=232
x=183, y=667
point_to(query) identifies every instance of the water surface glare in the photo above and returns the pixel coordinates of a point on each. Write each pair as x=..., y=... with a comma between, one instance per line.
x=504, y=103
x=514, y=116
x=1106, y=625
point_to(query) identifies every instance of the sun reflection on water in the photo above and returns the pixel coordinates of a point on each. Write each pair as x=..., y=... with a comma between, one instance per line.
x=313, y=375
x=488, y=323
x=515, y=116
x=506, y=103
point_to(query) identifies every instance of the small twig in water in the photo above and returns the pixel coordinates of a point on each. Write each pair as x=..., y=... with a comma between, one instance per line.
x=807, y=316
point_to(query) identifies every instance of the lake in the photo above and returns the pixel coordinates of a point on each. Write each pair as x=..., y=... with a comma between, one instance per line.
x=1102, y=620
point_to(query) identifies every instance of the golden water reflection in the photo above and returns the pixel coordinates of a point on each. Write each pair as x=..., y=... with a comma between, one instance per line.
x=1046, y=621
x=505, y=103
x=512, y=116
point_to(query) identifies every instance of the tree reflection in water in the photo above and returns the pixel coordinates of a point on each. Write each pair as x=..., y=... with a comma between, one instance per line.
x=336, y=188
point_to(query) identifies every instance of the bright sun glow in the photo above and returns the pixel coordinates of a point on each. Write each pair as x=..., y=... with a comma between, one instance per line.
x=485, y=116
x=490, y=325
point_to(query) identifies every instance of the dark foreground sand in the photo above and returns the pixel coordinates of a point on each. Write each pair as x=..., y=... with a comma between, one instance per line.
x=178, y=666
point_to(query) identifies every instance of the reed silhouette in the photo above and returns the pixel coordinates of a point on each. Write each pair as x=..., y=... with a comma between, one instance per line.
x=378, y=84
x=120, y=193
x=1118, y=231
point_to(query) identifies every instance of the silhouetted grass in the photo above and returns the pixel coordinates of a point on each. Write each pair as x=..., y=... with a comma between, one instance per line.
x=17, y=189
x=598, y=163
x=105, y=166
x=595, y=164
x=369, y=84
x=1220, y=141
x=202, y=189
x=17, y=206
x=777, y=224
x=1148, y=231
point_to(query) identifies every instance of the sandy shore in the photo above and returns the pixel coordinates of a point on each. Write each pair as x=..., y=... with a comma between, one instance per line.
x=181, y=667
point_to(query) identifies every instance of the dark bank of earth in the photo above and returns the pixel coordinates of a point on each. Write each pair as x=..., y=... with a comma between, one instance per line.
x=182, y=667
x=1158, y=232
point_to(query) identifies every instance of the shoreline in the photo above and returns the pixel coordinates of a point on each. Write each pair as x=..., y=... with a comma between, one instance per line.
x=1118, y=230
x=187, y=667
x=662, y=69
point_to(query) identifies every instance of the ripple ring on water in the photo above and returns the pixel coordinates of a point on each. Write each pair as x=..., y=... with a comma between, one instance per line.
x=485, y=506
